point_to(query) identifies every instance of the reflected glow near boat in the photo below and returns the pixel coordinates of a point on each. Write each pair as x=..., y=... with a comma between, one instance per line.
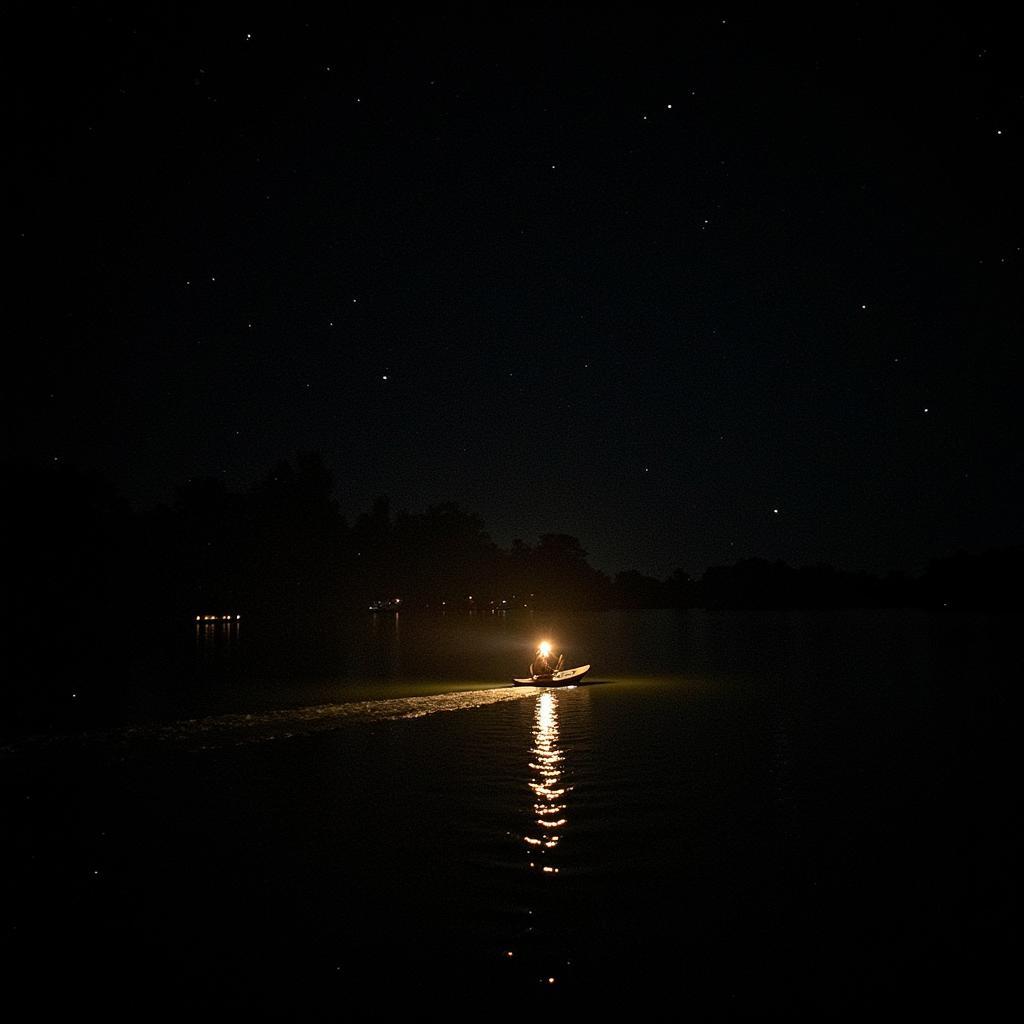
x=546, y=783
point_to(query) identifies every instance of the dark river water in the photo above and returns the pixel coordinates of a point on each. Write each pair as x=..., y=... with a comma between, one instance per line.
x=740, y=812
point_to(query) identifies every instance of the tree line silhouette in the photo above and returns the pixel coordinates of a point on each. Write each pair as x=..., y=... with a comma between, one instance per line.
x=77, y=553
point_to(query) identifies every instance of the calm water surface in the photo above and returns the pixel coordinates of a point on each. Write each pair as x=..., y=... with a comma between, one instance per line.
x=741, y=811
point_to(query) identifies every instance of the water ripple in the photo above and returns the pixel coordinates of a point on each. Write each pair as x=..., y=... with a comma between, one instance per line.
x=260, y=727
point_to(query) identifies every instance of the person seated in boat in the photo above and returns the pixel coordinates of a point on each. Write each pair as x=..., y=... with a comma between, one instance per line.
x=544, y=662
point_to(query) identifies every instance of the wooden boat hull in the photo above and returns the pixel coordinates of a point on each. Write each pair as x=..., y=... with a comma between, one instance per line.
x=567, y=677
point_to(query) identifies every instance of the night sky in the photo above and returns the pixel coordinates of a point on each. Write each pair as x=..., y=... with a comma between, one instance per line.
x=692, y=288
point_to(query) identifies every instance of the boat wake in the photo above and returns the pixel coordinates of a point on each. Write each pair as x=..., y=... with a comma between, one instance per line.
x=261, y=727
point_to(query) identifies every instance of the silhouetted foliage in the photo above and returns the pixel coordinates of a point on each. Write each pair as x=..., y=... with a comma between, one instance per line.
x=756, y=583
x=635, y=590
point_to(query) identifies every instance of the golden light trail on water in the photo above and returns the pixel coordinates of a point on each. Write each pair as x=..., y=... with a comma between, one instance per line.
x=540, y=948
x=548, y=790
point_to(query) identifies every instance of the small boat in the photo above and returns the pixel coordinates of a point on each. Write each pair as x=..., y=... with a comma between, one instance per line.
x=567, y=677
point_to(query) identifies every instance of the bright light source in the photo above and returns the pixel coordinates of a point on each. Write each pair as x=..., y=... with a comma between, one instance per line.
x=545, y=648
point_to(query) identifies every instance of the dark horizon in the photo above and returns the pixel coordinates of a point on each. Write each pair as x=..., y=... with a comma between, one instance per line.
x=350, y=513
x=284, y=546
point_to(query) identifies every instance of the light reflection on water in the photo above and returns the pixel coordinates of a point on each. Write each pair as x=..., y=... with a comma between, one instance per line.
x=549, y=789
x=217, y=635
x=546, y=949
